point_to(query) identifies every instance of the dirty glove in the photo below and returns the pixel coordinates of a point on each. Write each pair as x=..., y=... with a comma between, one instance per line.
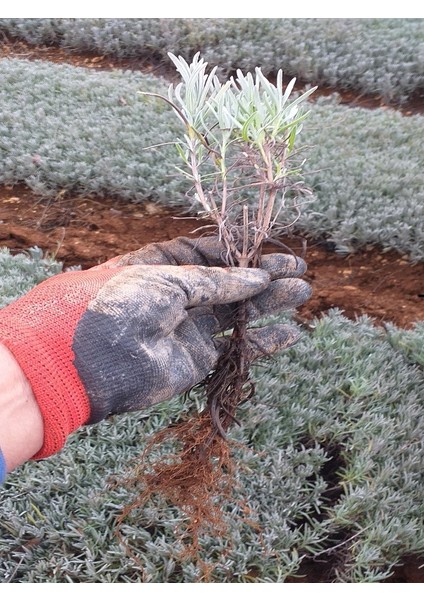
x=140, y=328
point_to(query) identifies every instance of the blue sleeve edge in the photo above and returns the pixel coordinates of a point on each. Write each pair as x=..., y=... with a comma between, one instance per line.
x=2, y=468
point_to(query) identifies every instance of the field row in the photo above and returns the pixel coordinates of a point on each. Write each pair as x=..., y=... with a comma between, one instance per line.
x=64, y=128
x=382, y=57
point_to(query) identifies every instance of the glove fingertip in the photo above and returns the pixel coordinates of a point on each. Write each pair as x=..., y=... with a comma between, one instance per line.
x=270, y=339
x=284, y=265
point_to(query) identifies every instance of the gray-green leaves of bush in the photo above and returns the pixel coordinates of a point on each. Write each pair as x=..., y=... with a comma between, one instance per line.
x=19, y=273
x=366, y=170
x=68, y=129
x=371, y=56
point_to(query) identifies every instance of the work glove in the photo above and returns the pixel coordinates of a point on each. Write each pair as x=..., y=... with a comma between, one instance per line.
x=140, y=328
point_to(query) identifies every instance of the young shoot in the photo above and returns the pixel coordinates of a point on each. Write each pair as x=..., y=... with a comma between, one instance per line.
x=238, y=141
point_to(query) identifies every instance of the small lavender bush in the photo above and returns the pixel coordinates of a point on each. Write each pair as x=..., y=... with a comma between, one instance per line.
x=371, y=56
x=410, y=342
x=366, y=169
x=64, y=128
x=19, y=273
x=330, y=462
x=69, y=129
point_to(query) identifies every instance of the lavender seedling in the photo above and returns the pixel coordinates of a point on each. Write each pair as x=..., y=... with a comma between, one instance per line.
x=236, y=153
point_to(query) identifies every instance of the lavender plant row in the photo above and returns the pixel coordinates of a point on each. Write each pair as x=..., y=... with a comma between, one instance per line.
x=330, y=462
x=69, y=129
x=20, y=273
x=371, y=56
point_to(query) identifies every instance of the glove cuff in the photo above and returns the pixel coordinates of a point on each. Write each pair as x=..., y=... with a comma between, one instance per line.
x=38, y=329
x=58, y=391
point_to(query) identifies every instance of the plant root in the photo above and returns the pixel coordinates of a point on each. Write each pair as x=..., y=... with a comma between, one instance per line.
x=198, y=476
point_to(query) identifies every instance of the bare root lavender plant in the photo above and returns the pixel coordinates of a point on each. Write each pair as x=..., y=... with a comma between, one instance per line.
x=237, y=153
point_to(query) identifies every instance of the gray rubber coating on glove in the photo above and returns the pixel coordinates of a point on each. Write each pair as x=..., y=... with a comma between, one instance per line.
x=150, y=334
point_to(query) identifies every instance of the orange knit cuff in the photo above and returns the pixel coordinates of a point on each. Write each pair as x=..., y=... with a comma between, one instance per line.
x=59, y=393
x=39, y=329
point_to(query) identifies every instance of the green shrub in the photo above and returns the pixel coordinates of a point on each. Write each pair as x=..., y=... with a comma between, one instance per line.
x=409, y=341
x=371, y=56
x=64, y=128
x=19, y=273
x=366, y=169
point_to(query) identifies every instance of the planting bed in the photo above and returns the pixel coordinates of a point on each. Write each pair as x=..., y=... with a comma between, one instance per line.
x=16, y=48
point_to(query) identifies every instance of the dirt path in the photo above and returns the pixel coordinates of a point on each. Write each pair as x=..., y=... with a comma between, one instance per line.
x=86, y=231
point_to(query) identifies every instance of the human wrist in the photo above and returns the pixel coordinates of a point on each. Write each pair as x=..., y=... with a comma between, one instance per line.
x=21, y=421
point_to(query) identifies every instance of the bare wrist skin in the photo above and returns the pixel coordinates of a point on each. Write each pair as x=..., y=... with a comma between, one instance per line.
x=21, y=422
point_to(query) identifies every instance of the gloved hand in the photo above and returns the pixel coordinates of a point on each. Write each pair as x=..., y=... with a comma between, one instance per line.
x=140, y=328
